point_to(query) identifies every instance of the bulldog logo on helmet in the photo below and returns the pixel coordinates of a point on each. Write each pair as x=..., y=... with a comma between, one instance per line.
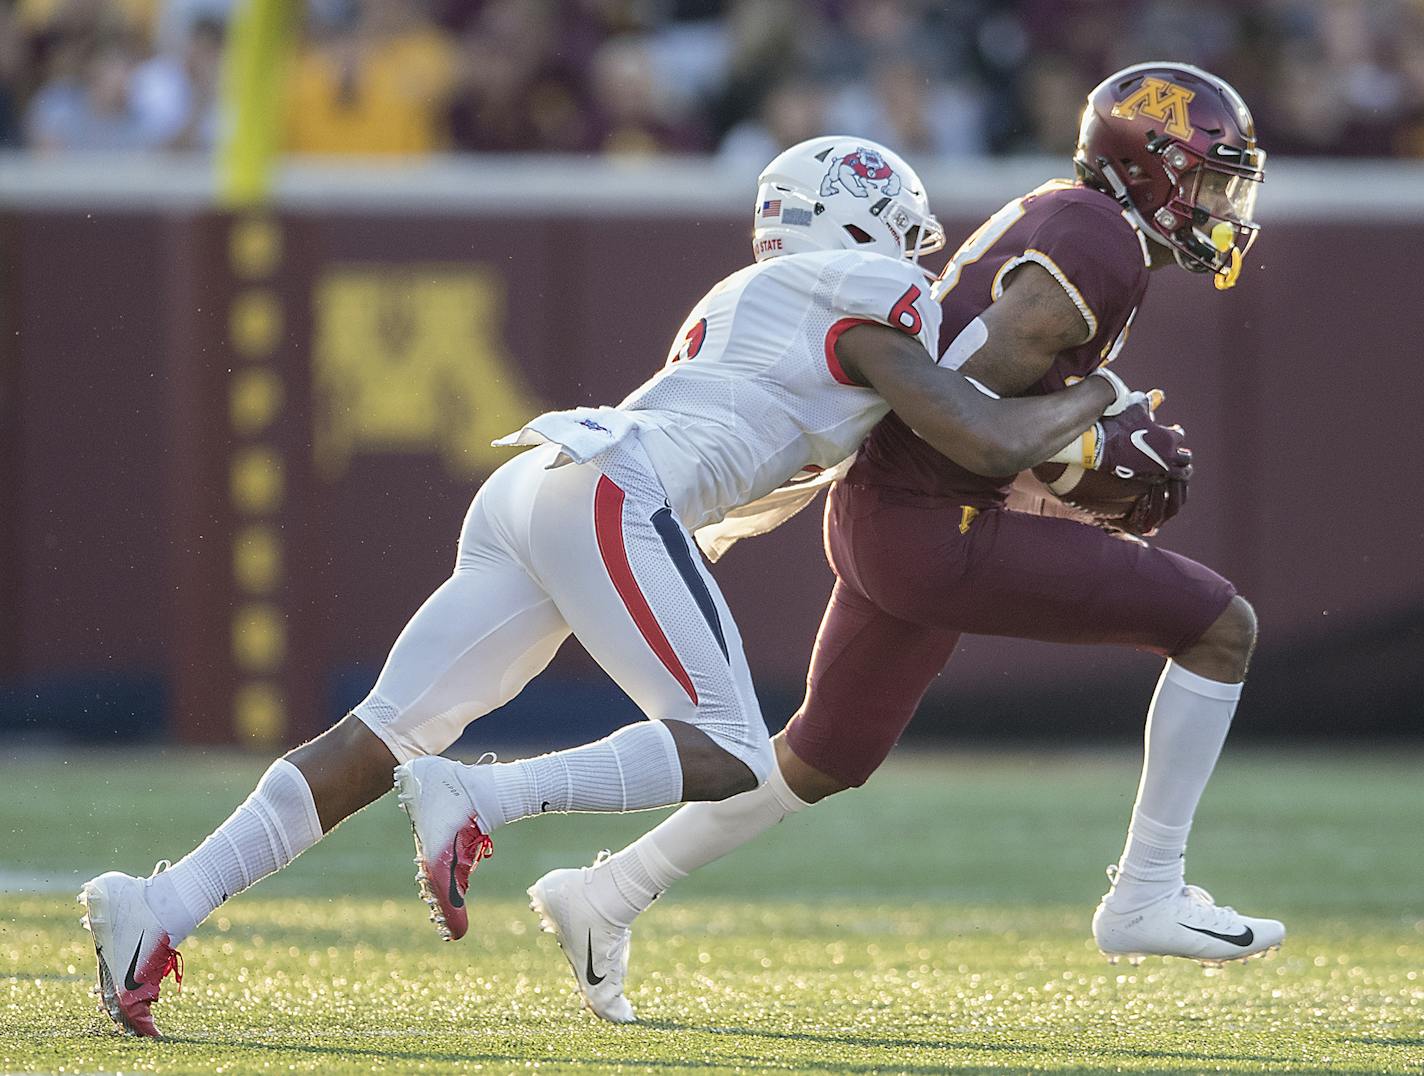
x=858, y=172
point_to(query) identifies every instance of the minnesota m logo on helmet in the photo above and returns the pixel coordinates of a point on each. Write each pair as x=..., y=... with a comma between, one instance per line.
x=1160, y=100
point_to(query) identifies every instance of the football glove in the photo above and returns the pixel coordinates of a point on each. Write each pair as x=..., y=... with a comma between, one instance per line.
x=1123, y=397
x=1087, y=449
x=1155, y=507
x=1133, y=445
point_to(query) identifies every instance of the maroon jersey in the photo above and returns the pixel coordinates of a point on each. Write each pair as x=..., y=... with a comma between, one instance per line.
x=1083, y=238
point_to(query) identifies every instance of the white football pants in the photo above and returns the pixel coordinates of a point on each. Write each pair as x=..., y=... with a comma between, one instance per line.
x=590, y=550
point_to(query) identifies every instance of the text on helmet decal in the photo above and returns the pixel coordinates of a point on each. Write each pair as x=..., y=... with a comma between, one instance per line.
x=768, y=244
x=859, y=173
x=1160, y=100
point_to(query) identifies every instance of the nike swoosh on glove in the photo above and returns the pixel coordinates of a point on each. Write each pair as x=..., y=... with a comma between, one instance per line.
x=1134, y=445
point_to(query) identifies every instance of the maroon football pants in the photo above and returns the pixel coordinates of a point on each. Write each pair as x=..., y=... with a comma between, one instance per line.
x=914, y=572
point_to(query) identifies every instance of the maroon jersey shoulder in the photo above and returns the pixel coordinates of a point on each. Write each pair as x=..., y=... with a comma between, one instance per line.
x=1080, y=236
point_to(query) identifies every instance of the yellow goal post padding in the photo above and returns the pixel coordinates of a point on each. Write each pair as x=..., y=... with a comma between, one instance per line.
x=254, y=76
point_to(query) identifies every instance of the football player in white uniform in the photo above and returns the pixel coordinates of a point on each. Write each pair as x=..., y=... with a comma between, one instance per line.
x=781, y=369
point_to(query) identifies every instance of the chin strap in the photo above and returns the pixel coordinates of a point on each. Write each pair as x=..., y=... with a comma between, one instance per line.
x=1223, y=237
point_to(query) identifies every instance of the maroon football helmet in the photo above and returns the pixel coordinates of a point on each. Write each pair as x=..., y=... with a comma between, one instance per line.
x=1177, y=147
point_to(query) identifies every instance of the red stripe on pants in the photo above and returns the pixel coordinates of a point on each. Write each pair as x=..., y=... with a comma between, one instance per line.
x=608, y=526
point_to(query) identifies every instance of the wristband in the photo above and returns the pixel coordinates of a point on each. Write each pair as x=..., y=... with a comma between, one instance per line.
x=1085, y=450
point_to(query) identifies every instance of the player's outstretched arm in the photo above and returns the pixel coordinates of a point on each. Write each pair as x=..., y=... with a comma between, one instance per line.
x=981, y=434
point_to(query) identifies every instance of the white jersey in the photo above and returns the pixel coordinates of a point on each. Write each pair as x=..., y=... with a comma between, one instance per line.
x=752, y=394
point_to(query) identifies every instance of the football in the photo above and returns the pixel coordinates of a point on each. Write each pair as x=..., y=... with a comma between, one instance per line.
x=1099, y=493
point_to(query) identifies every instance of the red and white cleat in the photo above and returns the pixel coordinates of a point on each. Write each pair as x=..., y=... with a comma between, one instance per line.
x=133, y=949
x=449, y=839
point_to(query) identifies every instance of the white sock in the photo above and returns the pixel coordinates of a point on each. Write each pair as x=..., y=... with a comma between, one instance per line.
x=269, y=829
x=624, y=884
x=1186, y=726
x=635, y=769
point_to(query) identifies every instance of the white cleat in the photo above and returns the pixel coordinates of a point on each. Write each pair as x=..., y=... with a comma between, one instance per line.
x=596, y=950
x=449, y=838
x=132, y=947
x=1188, y=924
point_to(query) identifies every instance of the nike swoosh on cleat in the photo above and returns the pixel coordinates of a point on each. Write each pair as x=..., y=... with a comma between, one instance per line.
x=129, y=982
x=456, y=901
x=1243, y=939
x=593, y=980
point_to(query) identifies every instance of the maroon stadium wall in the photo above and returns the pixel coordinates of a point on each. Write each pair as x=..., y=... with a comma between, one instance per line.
x=237, y=452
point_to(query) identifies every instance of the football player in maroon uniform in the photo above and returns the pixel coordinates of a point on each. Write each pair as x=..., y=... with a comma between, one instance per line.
x=924, y=550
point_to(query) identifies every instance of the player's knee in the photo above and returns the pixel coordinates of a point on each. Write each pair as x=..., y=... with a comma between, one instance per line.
x=1235, y=630
x=803, y=780
x=1224, y=650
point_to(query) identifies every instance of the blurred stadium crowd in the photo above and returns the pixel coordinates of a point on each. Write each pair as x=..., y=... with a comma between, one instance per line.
x=738, y=78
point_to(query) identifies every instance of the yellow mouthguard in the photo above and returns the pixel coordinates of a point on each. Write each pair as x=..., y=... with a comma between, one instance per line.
x=1223, y=237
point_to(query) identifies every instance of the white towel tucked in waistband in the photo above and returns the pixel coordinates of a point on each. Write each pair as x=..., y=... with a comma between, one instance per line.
x=583, y=432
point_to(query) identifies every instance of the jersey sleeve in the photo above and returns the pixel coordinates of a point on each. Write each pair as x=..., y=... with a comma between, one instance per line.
x=894, y=293
x=1096, y=255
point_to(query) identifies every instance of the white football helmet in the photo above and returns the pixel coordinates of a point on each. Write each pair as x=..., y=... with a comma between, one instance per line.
x=837, y=192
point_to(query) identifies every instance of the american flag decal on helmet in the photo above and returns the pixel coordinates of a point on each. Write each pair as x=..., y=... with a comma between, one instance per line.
x=771, y=208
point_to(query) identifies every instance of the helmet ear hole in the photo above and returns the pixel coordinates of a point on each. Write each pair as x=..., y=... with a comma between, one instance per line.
x=860, y=235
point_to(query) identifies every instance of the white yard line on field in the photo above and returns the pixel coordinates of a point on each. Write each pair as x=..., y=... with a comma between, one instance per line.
x=13, y=881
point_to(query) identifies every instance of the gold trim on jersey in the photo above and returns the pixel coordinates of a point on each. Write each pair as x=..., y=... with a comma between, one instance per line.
x=1040, y=258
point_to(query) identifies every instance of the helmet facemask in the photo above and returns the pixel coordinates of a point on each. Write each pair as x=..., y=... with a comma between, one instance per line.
x=1209, y=220
x=917, y=233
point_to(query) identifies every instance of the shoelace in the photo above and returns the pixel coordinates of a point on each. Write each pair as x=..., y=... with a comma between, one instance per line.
x=483, y=847
x=618, y=959
x=618, y=951
x=474, y=842
x=174, y=963
x=1220, y=914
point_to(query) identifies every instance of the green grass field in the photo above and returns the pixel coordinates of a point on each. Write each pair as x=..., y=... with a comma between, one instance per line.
x=935, y=920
